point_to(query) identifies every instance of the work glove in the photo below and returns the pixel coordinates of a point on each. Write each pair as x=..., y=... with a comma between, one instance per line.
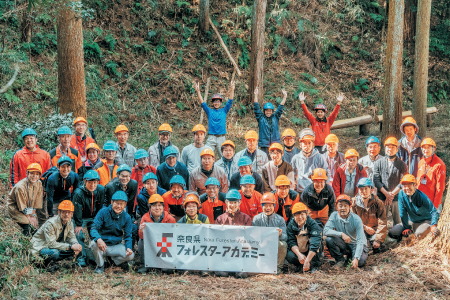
x=406, y=232
x=435, y=231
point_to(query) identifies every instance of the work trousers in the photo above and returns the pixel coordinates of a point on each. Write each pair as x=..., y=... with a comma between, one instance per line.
x=338, y=248
x=116, y=252
x=419, y=229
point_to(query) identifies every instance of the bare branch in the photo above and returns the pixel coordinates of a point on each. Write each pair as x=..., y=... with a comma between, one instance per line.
x=6, y=87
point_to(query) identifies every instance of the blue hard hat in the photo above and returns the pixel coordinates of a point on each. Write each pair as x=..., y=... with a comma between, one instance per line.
x=213, y=181
x=110, y=146
x=64, y=130
x=64, y=160
x=268, y=106
x=364, y=182
x=140, y=153
x=122, y=168
x=244, y=161
x=91, y=175
x=149, y=175
x=247, y=179
x=170, y=151
x=28, y=131
x=179, y=180
x=372, y=139
x=119, y=195
x=233, y=195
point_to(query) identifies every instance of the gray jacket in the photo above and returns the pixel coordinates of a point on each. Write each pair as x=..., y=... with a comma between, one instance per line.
x=339, y=159
x=197, y=180
x=368, y=164
x=389, y=180
x=304, y=166
x=260, y=160
x=228, y=171
x=153, y=152
x=274, y=220
x=126, y=155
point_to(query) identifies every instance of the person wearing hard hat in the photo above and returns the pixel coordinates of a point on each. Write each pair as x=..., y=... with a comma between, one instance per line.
x=25, y=199
x=156, y=151
x=276, y=167
x=88, y=200
x=333, y=157
x=30, y=153
x=200, y=174
x=107, y=169
x=245, y=168
x=60, y=185
x=64, y=149
x=155, y=214
x=141, y=168
x=173, y=199
x=388, y=171
x=409, y=149
x=125, y=151
x=319, y=197
x=372, y=212
x=250, y=199
x=348, y=175
x=170, y=168
x=228, y=162
x=268, y=218
x=191, y=205
x=431, y=173
x=55, y=240
x=269, y=132
x=307, y=160
x=320, y=123
x=111, y=226
x=290, y=150
x=285, y=197
x=304, y=240
x=217, y=117
x=213, y=201
x=417, y=212
x=190, y=156
x=257, y=157
x=373, y=147
x=93, y=161
x=80, y=140
x=345, y=235
x=150, y=188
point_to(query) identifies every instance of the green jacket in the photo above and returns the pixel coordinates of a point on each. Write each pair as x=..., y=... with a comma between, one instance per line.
x=200, y=219
x=314, y=234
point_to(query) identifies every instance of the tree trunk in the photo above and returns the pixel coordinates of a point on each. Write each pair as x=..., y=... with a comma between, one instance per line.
x=203, y=20
x=255, y=79
x=410, y=22
x=26, y=26
x=71, y=85
x=420, y=84
x=392, y=110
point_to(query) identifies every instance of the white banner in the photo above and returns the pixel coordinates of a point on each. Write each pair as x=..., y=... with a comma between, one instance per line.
x=211, y=247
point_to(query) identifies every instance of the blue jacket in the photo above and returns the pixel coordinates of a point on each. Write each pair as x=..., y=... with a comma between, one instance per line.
x=217, y=118
x=58, y=188
x=267, y=135
x=410, y=159
x=142, y=200
x=418, y=208
x=164, y=174
x=112, y=228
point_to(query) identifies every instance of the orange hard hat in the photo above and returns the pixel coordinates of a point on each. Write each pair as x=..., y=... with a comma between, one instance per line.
x=428, y=141
x=288, y=132
x=121, y=128
x=343, y=197
x=319, y=174
x=78, y=120
x=251, y=134
x=207, y=151
x=409, y=121
x=66, y=205
x=199, y=127
x=282, y=180
x=165, y=127
x=92, y=146
x=299, y=207
x=351, y=153
x=155, y=198
x=391, y=141
x=408, y=178
x=276, y=146
x=34, y=167
x=331, y=138
x=228, y=142
x=268, y=198
x=191, y=197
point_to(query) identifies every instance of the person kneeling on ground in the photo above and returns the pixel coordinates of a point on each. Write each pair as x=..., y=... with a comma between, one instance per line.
x=56, y=240
x=345, y=235
x=417, y=212
x=268, y=218
x=304, y=240
x=156, y=214
x=191, y=205
x=111, y=225
x=372, y=212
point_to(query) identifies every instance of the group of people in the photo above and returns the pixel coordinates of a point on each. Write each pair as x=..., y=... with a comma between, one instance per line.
x=324, y=203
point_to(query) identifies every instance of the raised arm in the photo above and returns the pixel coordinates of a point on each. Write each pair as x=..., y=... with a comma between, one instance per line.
x=199, y=95
x=284, y=97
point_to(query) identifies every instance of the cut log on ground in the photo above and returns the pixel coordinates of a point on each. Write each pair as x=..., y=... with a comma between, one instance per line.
x=363, y=123
x=430, y=112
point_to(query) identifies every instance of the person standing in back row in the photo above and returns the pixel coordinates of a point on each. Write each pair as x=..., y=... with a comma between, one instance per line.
x=216, y=117
x=320, y=124
x=126, y=151
x=80, y=140
x=156, y=151
x=190, y=156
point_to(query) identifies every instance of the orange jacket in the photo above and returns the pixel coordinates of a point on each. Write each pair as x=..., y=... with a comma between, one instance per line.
x=251, y=206
x=433, y=170
x=209, y=208
x=292, y=198
x=320, y=128
x=105, y=174
x=138, y=174
x=22, y=159
x=174, y=206
x=79, y=143
x=74, y=155
x=148, y=219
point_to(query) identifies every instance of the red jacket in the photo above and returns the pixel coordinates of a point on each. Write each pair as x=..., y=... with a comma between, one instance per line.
x=433, y=169
x=320, y=128
x=340, y=177
x=22, y=159
x=80, y=144
x=147, y=219
x=251, y=206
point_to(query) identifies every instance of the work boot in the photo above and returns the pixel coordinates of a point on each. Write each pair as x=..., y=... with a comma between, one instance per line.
x=81, y=263
x=314, y=270
x=99, y=270
x=204, y=273
x=299, y=269
x=221, y=274
x=124, y=266
x=340, y=264
x=242, y=275
x=143, y=270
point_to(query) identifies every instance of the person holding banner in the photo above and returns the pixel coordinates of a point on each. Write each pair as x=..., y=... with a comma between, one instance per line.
x=191, y=205
x=304, y=240
x=213, y=201
x=173, y=199
x=156, y=214
x=250, y=199
x=268, y=218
